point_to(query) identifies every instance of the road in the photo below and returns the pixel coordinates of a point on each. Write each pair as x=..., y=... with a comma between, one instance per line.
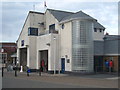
x=22, y=83
x=51, y=81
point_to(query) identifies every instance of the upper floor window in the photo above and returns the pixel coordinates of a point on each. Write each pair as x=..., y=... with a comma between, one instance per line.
x=63, y=26
x=100, y=30
x=95, y=29
x=32, y=31
x=52, y=28
x=22, y=43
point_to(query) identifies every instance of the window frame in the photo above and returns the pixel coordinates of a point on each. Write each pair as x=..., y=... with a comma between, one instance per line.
x=100, y=30
x=32, y=29
x=95, y=29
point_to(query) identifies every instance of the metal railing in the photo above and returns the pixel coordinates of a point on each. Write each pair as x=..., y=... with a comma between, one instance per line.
x=44, y=32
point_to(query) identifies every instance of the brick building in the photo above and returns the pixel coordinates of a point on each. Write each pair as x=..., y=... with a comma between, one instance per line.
x=6, y=50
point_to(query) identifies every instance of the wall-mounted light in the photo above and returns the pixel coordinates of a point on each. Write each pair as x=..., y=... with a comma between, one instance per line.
x=26, y=45
x=48, y=44
x=66, y=56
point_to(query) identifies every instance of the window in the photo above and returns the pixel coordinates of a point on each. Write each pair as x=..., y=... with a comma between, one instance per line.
x=51, y=28
x=63, y=26
x=100, y=30
x=22, y=43
x=95, y=29
x=68, y=60
x=32, y=31
x=3, y=58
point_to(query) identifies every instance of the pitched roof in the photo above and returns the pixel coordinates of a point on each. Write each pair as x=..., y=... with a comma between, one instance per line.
x=78, y=15
x=98, y=25
x=59, y=15
x=62, y=16
x=111, y=37
x=36, y=12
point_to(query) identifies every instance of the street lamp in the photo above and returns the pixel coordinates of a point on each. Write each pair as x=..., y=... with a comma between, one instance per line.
x=54, y=53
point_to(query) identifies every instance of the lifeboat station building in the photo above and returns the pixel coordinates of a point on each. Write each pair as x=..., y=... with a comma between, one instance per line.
x=66, y=41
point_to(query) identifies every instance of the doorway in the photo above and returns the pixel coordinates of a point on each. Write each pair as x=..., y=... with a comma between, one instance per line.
x=23, y=58
x=62, y=65
x=98, y=63
x=44, y=58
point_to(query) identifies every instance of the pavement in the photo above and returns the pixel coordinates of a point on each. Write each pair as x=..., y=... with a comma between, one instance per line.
x=63, y=80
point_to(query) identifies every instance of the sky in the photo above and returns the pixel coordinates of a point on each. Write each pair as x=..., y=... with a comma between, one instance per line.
x=14, y=13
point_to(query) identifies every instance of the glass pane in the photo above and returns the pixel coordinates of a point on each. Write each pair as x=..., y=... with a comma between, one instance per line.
x=82, y=46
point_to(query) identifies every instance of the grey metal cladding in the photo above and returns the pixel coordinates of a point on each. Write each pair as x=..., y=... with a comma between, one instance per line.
x=111, y=47
x=59, y=15
x=111, y=44
x=98, y=47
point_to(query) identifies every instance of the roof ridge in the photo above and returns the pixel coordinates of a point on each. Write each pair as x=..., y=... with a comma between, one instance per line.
x=36, y=12
x=84, y=13
x=77, y=13
x=68, y=16
x=60, y=10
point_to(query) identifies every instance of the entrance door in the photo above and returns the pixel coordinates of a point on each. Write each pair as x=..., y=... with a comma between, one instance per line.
x=44, y=56
x=98, y=64
x=62, y=65
x=23, y=58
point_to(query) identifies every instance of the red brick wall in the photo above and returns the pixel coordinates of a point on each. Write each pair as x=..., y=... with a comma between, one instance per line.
x=9, y=48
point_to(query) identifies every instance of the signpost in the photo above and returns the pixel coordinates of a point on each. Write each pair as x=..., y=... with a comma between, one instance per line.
x=2, y=71
x=28, y=71
x=40, y=71
x=3, y=66
x=15, y=71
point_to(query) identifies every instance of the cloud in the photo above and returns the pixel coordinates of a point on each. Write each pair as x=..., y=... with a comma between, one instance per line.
x=107, y=15
x=13, y=17
x=15, y=13
x=61, y=0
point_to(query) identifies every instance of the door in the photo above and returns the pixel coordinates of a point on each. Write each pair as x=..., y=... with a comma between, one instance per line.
x=98, y=64
x=62, y=65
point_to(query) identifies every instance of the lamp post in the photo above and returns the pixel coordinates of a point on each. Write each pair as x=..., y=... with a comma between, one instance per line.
x=54, y=54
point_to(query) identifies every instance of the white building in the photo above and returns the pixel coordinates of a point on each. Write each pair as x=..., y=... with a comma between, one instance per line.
x=64, y=40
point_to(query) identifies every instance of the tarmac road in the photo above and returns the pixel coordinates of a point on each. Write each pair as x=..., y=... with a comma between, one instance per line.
x=23, y=83
x=58, y=81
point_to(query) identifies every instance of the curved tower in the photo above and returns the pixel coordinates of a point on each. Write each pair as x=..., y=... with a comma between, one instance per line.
x=82, y=45
x=82, y=42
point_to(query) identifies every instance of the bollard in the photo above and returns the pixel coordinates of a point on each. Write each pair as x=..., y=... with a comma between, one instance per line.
x=15, y=71
x=28, y=74
x=21, y=69
x=40, y=71
x=28, y=71
x=2, y=71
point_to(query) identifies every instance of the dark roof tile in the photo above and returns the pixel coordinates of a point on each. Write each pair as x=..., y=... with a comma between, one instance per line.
x=62, y=16
x=59, y=15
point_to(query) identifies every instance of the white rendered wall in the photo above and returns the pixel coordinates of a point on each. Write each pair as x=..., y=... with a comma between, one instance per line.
x=50, y=19
x=65, y=45
x=32, y=52
x=41, y=45
x=98, y=35
x=42, y=42
x=30, y=41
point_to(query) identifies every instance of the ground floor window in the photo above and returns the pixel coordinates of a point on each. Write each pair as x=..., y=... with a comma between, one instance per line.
x=3, y=58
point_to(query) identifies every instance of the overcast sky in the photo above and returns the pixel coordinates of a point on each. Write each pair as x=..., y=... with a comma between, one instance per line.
x=15, y=13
